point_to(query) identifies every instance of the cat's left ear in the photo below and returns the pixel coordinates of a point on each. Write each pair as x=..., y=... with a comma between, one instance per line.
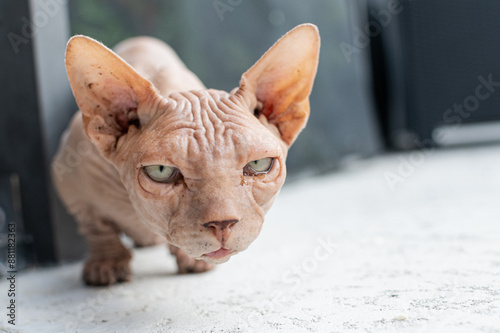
x=283, y=79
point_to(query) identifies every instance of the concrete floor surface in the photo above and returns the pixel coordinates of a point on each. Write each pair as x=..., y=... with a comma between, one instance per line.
x=401, y=243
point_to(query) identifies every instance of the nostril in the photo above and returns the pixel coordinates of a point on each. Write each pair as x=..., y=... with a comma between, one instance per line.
x=220, y=225
x=221, y=229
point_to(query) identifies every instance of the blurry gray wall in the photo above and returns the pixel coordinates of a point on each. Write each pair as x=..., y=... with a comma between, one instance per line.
x=219, y=40
x=56, y=106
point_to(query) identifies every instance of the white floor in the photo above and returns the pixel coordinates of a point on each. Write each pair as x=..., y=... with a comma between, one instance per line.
x=343, y=252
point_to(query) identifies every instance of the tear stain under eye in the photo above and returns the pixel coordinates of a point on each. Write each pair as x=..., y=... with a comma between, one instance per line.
x=243, y=181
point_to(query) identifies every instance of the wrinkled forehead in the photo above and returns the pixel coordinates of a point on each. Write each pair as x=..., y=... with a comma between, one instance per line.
x=208, y=110
x=203, y=126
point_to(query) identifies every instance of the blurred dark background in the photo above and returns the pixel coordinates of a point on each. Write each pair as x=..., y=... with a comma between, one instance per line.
x=393, y=75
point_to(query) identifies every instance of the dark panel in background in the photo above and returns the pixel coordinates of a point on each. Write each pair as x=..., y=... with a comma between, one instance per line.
x=437, y=54
x=21, y=138
x=36, y=106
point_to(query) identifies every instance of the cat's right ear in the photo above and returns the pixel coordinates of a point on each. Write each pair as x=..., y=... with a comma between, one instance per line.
x=110, y=93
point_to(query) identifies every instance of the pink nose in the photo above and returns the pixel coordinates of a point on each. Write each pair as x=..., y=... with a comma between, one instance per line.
x=222, y=229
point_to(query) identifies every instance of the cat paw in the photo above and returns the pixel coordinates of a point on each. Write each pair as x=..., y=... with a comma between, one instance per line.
x=187, y=264
x=106, y=272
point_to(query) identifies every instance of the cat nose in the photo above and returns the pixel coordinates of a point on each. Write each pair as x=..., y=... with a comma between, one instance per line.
x=222, y=229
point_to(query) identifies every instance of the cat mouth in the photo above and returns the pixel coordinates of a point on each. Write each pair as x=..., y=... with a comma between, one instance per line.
x=220, y=253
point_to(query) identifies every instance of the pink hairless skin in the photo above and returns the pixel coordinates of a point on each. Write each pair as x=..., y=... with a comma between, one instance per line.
x=164, y=160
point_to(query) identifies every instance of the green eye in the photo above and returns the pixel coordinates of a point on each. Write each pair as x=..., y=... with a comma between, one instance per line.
x=161, y=173
x=258, y=167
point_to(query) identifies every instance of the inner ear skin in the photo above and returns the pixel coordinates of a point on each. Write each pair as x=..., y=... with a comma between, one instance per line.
x=248, y=101
x=258, y=109
x=127, y=118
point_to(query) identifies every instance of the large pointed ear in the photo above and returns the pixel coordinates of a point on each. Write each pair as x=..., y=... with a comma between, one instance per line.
x=110, y=93
x=283, y=78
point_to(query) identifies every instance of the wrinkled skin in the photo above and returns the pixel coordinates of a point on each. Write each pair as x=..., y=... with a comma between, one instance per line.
x=160, y=114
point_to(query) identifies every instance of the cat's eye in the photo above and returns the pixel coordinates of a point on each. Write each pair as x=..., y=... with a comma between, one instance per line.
x=258, y=167
x=161, y=173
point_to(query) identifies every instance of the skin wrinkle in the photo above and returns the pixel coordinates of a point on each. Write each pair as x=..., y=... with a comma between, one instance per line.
x=206, y=122
x=200, y=132
x=225, y=125
x=175, y=215
x=147, y=115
